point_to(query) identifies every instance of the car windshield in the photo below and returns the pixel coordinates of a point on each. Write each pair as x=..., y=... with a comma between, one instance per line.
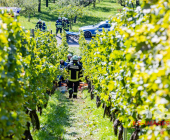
x=96, y=25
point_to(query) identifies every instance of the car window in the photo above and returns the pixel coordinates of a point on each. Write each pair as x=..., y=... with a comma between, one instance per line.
x=96, y=25
x=103, y=26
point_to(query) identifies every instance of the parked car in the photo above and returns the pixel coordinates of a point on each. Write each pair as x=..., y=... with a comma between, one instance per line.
x=91, y=30
x=15, y=10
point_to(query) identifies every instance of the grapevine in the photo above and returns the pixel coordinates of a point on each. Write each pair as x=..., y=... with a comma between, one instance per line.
x=130, y=65
x=28, y=68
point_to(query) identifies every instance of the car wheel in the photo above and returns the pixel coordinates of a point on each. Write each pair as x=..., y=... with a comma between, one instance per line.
x=87, y=34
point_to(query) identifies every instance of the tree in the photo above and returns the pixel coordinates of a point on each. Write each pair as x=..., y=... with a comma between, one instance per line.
x=94, y=3
x=4, y=3
x=72, y=9
x=84, y=3
x=46, y=3
x=71, y=12
x=121, y=2
x=39, y=5
x=137, y=3
x=29, y=7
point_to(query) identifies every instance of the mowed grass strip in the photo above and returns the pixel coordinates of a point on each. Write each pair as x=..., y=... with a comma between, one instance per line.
x=96, y=126
x=54, y=118
x=69, y=119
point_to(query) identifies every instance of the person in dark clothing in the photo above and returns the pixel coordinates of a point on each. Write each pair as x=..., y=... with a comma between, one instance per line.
x=69, y=56
x=75, y=72
x=79, y=61
x=59, y=25
x=44, y=27
x=39, y=25
x=67, y=25
x=63, y=64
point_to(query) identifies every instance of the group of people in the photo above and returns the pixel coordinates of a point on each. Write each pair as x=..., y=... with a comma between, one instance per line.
x=73, y=65
x=41, y=25
x=62, y=24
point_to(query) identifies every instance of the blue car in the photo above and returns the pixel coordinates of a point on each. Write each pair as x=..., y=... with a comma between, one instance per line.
x=91, y=30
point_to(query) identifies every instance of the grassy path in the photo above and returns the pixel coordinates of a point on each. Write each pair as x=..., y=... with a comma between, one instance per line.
x=73, y=119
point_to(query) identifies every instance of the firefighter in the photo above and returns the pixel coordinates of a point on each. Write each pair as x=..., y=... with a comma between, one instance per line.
x=63, y=22
x=75, y=72
x=63, y=64
x=71, y=60
x=39, y=25
x=69, y=56
x=44, y=27
x=79, y=60
x=58, y=25
x=67, y=25
x=80, y=63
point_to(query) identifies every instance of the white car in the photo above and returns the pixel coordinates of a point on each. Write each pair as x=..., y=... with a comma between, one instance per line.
x=91, y=30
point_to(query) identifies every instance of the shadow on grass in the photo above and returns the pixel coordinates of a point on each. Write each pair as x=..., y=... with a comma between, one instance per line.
x=104, y=9
x=90, y=19
x=47, y=16
x=44, y=15
x=113, y=1
x=87, y=20
x=55, y=118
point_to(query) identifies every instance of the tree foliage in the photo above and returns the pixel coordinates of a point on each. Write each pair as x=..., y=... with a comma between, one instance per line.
x=29, y=8
x=11, y=3
x=83, y=3
x=71, y=12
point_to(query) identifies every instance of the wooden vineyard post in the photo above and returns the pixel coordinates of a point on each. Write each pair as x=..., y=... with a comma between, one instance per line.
x=51, y=31
x=125, y=134
x=32, y=31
